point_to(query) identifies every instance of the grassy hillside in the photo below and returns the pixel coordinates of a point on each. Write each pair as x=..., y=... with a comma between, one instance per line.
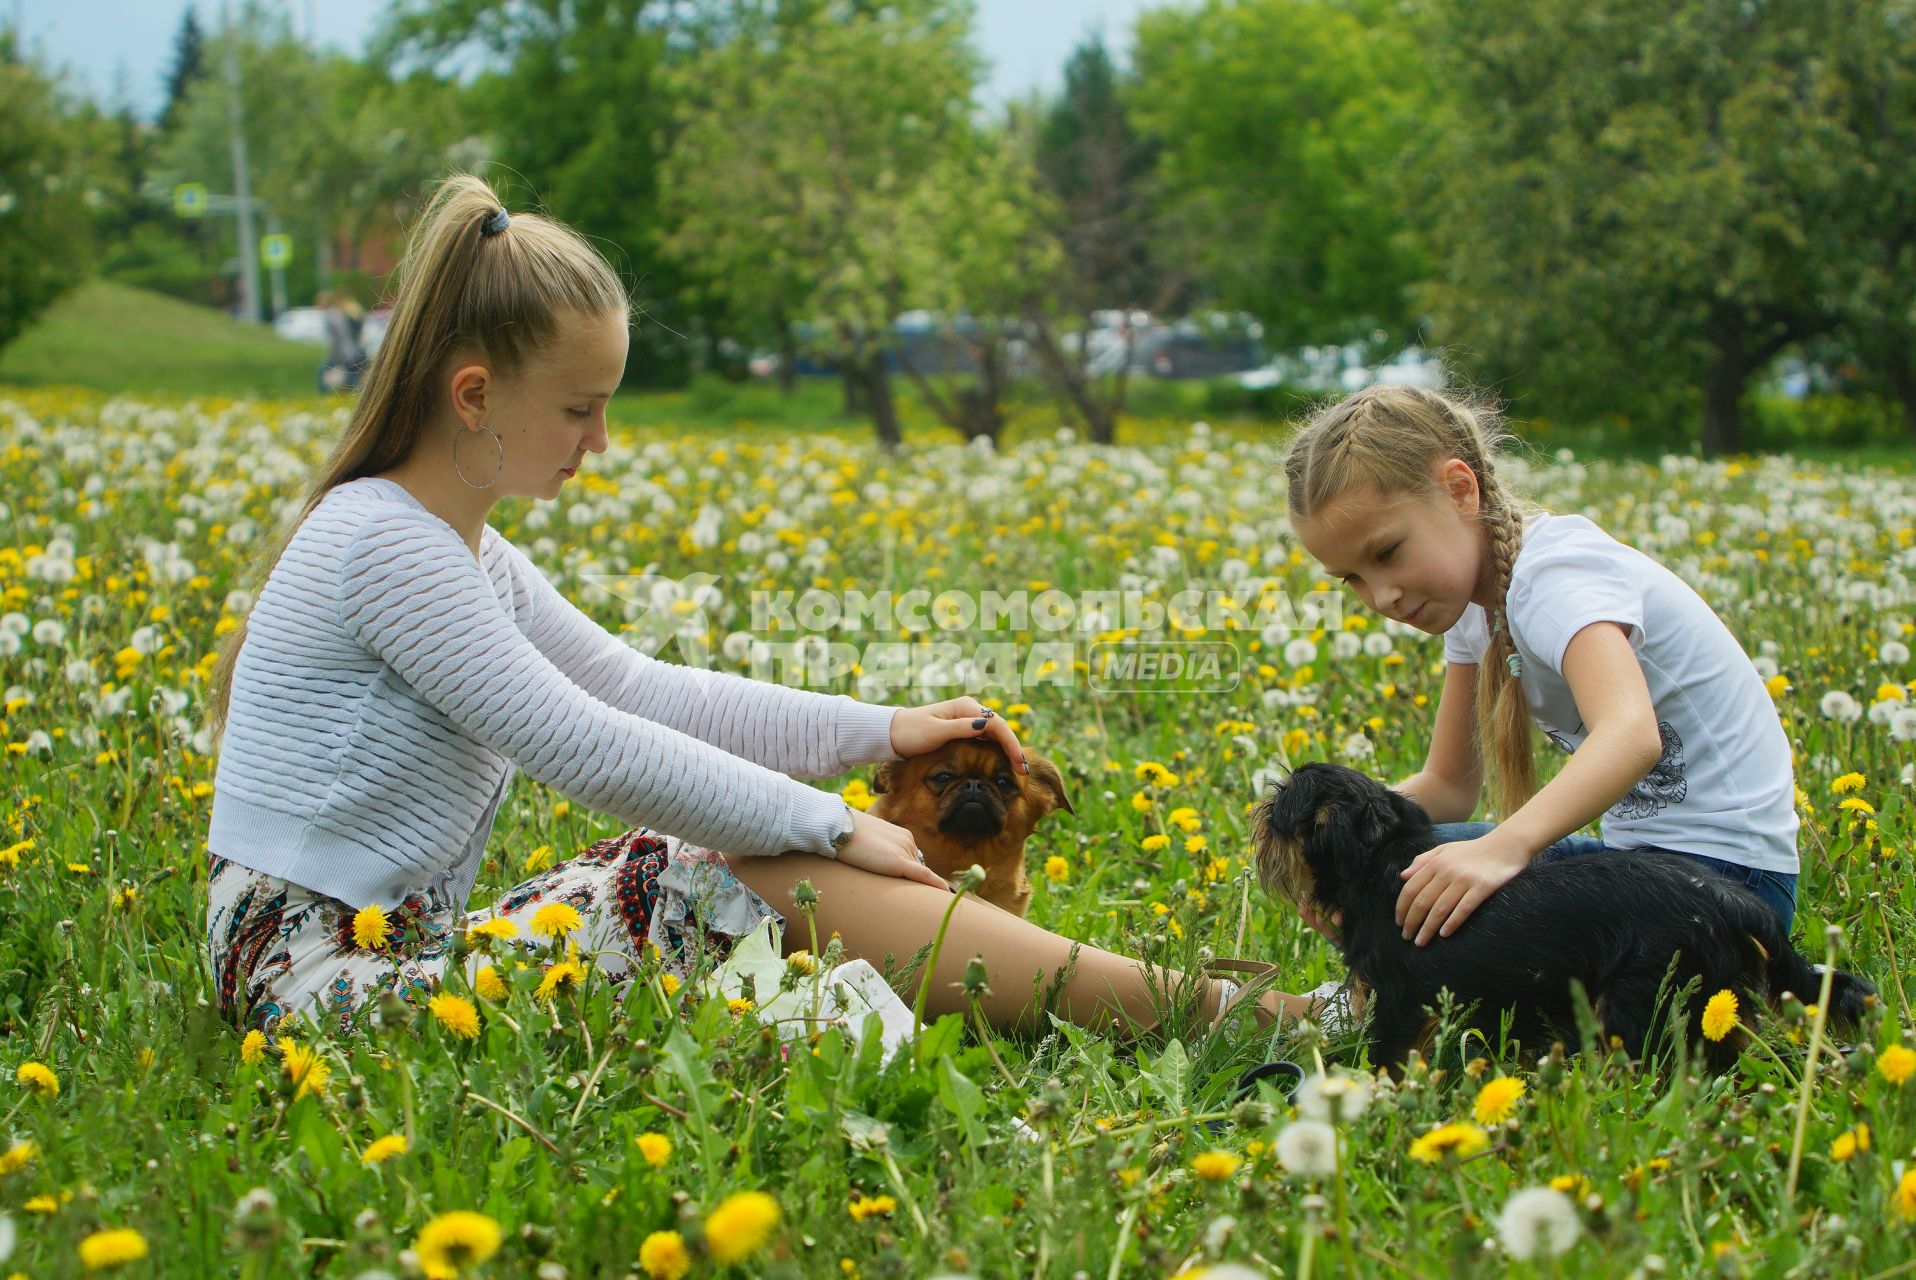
x=113, y=338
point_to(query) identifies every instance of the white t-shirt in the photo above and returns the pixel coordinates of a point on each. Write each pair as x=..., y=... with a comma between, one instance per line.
x=1724, y=786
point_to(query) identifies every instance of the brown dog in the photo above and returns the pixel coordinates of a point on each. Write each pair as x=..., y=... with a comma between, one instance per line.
x=966, y=804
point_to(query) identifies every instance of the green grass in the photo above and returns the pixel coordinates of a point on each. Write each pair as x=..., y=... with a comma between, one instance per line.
x=109, y=337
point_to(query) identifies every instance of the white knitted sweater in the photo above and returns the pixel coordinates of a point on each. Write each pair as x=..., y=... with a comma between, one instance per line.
x=390, y=682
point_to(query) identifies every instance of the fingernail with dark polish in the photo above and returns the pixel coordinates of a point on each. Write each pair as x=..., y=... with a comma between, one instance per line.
x=978, y=723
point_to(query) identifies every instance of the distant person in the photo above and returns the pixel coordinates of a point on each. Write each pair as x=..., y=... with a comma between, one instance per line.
x=345, y=352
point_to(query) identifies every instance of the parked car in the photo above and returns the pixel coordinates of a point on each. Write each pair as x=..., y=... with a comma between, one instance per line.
x=301, y=324
x=1200, y=347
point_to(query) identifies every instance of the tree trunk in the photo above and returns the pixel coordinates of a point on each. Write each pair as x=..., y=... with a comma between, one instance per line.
x=853, y=379
x=1723, y=408
x=1902, y=376
x=878, y=401
x=787, y=358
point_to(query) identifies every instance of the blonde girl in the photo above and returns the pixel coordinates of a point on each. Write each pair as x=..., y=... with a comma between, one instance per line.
x=403, y=660
x=1546, y=620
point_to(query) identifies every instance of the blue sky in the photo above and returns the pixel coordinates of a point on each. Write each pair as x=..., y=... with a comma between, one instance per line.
x=113, y=46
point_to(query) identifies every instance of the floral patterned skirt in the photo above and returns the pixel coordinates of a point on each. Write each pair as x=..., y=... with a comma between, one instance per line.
x=278, y=949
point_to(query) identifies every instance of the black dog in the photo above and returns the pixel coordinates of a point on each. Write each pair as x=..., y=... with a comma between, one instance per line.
x=1335, y=839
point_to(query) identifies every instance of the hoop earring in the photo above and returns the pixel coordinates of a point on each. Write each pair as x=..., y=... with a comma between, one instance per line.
x=500, y=448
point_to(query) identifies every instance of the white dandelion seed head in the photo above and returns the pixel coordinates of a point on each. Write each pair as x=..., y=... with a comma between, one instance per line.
x=1838, y=705
x=1299, y=652
x=1346, y=645
x=1538, y=1222
x=1894, y=653
x=1765, y=666
x=1357, y=747
x=1334, y=1097
x=10, y=643
x=16, y=623
x=1378, y=645
x=49, y=631
x=1880, y=712
x=1902, y=725
x=146, y=641
x=1308, y=1148
x=79, y=671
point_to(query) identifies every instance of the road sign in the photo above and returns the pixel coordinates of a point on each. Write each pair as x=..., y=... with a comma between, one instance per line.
x=190, y=200
x=275, y=251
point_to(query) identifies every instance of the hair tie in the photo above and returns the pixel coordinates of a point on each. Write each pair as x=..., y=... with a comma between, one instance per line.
x=496, y=222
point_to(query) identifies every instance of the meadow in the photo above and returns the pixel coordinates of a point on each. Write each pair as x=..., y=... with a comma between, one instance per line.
x=544, y=1129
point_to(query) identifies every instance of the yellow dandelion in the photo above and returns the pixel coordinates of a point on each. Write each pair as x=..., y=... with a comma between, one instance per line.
x=1856, y=804
x=1196, y=844
x=803, y=963
x=862, y=1208
x=670, y=983
x=740, y=1005
x=456, y=1240
x=539, y=859
x=1719, y=1015
x=1497, y=1099
x=1896, y=1063
x=1847, y=783
x=39, y=1078
x=656, y=1148
x=303, y=1067
x=555, y=920
x=740, y=1226
x=1156, y=844
x=17, y=1157
x=664, y=1257
x=371, y=927
x=380, y=1150
x=456, y=1014
x=1454, y=1139
x=253, y=1047
x=1056, y=869
x=1850, y=1142
x=112, y=1248
x=1903, y=1199
x=489, y=984
x=42, y=1205
x=1141, y=802
x=567, y=973
x=497, y=927
x=1216, y=1166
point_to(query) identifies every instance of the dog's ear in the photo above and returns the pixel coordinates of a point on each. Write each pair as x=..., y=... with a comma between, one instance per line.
x=1048, y=782
x=886, y=779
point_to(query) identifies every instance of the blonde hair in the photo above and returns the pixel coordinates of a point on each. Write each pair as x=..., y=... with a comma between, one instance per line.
x=1392, y=440
x=461, y=292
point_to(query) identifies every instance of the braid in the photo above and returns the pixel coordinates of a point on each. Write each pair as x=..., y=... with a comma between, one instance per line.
x=1503, y=717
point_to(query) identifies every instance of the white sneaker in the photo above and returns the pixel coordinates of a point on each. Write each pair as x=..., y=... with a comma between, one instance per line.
x=1334, y=1016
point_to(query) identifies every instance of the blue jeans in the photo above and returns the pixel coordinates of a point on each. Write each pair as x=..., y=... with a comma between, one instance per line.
x=1776, y=888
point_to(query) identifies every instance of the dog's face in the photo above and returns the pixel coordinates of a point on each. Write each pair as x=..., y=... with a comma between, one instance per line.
x=1325, y=829
x=968, y=792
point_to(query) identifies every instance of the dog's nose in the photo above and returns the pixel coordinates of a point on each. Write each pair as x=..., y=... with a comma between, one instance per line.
x=968, y=785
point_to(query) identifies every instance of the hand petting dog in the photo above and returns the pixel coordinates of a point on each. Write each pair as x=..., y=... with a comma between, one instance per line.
x=1445, y=884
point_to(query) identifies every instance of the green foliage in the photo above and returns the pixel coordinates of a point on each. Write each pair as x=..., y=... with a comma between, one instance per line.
x=46, y=174
x=1283, y=125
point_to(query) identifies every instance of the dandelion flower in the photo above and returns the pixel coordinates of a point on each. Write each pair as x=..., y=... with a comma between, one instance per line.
x=567, y=973
x=1156, y=844
x=303, y=1067
x=1850, y=1142
x=1838, y=705
x=1497, y=1099
x=1538, y=1222
x=1216, y=1166
x=498, y=927
x=112, y=1248
x=656, y=1148
x=453, y=1241
x=740, y=1226
x=1896, y=1063
x=370, y=928
x=663, y=1256
x=253, y=1047
x=489, y=984
x=670, y=983
x=555, y=920
x=1455, y=1139
x=17, y=1157
x=1847, y=783
x=380, y=1150
x=456, y=1014
x=1056, y=869
x=1903, y=1199
x=1719, y=1015
x=1308, y=1148
x=862, y=1208
x=803, y=963
x=740, y=1005
x=38, y=1077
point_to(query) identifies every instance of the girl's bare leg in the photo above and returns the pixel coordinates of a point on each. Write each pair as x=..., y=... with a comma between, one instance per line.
x=879, y=915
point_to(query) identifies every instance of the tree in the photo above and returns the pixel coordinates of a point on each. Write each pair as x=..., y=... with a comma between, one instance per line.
x=1636, y=194
x=807, y=132
x=1869, y=85
x=45, y=162
x=573, y=95
x=1282, y=125
x=189, y=64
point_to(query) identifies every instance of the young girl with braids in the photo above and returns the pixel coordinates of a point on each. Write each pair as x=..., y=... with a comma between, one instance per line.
x=1674, y=740
x=403, y=660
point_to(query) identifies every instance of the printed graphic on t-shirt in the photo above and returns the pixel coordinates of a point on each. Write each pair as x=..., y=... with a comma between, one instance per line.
x=1663, y=786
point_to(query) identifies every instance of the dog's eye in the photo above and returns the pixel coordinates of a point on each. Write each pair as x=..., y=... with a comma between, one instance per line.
x=1004, y=780
x=940, y=779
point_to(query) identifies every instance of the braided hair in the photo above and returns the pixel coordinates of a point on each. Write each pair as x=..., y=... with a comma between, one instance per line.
x=1392, y=440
